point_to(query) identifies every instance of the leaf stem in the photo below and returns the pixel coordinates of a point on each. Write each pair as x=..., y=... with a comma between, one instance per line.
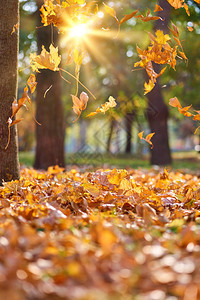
x=60, y=69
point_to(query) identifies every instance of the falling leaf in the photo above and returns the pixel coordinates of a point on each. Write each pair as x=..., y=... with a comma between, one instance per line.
x=197, y=117
x=46, y=60
x=197, y=130
x=161, y=38
x=79, y=104
x=111, y=12
x=186, y=9
x=148, y=18
x=190, y=28
x=158, y=8
x=141, y=134
x=128, y=17
x=104, y=107
x=176, y=3
x=21, y=102
x=174, y=102
x=148, y=86
x=183, y=55
x=15, y=27
x=147, y=139
x=32, y=83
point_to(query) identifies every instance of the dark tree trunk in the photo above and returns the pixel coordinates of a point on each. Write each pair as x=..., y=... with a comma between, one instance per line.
x=9, y=162
x=49, y=111
x=128, y=125
x=157, y=111
x=112, y=127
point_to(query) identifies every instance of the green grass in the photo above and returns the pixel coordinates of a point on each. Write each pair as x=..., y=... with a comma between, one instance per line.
x=181, y=160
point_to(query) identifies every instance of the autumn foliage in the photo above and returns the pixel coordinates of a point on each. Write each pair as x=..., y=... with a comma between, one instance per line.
x=163, y=50
x=109, y=233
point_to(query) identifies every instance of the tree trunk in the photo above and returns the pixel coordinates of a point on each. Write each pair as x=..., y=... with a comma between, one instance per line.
x=9, y=16
x=49, y=111
x=112, y=127
x=128, y=124
x=157, y=111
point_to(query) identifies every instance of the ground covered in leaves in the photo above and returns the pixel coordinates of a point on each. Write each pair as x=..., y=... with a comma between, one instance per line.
x=108, y=234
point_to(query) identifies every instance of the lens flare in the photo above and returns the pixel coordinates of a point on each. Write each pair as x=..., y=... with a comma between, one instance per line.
x=78, y=31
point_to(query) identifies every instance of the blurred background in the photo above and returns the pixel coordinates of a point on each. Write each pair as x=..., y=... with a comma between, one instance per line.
x=108, y=69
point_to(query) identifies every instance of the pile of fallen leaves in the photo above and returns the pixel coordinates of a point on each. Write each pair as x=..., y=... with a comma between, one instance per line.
x=109, y=234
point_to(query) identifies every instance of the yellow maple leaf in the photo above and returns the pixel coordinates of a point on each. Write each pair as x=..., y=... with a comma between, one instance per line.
x=104, y=107
x=161, y=38
x=148, y=86
x=176, y=3
x=46, y=60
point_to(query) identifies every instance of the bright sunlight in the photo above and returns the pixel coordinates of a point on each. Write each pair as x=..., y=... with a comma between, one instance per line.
x=78, y=31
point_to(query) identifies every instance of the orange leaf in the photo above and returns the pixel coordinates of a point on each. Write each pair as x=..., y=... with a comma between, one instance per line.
x=148, y=18
x=79, y=104
x=183, y=54
x=174, y=30
x=111, y=12
x=128, y=17
x=184, y=111
x=17, y=105
x=15, y=27
x=176, y=3
x=46, y=60
x=190, y=28
x=196, y=117
x=157, y=8
x=15, y=122
x=32, y=83
x=186, y=9
x=141, y=134
x=104, y=107
x=148, y=137
x=148, y=86
x=177, y=41
x=174, y=102
x=196, y=130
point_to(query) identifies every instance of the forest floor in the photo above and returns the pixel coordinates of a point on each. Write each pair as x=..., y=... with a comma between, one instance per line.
x=101, y=235
x=189, y=161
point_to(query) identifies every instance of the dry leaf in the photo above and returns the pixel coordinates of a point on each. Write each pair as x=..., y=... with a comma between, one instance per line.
x=15, y=27
x=104, y=107
x=32, y=83
x=158, y=8
x=46, y=60
x=111, y=12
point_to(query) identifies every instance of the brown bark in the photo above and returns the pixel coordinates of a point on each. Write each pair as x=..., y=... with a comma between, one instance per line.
x=157, y=111
x=9, y=16
x=49, y=111
x=129, y=117
x=112, y=127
